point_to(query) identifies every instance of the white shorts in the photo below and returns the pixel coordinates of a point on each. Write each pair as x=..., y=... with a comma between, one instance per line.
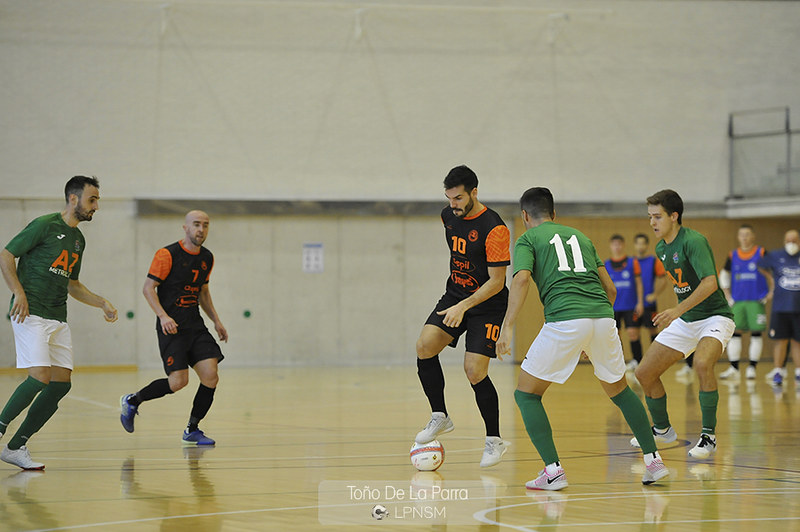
x=557, y=349
x=684, y=336
x=42, y=343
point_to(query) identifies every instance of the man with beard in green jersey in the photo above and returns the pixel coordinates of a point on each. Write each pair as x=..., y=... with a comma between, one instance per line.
x=50, y=250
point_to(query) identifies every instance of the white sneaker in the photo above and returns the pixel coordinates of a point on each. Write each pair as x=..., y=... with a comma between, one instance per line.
x=545, y=481
x=654, y=472
x=632, y=365
x=439, y=424
x=684, y=373
x=705, y=447
x=750, y=373
x=667, y=436
x=729, y=374
x=20, y=458
x=494, y=451
x=771, y=375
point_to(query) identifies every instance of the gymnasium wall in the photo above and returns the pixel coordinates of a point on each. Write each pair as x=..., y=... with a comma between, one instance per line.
x=381, y=277
x=602, y=101
x=355, y=100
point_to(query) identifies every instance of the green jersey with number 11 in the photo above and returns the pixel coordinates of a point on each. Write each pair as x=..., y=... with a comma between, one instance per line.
x=563, y=263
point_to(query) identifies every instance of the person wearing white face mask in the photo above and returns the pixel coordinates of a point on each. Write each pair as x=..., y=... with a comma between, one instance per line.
x=781, y=267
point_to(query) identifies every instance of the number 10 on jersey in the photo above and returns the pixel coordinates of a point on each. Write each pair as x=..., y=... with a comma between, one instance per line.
x=577, y=257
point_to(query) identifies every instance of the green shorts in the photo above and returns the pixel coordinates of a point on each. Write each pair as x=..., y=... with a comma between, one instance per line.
x=749, y=316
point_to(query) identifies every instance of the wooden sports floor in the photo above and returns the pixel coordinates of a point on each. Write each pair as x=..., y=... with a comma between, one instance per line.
x=319, y=448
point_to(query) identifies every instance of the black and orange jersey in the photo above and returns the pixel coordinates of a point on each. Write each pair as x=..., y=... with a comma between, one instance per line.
x=181, y=275
x=476, y=243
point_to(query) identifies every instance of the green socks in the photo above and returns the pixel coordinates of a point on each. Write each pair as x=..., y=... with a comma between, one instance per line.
x=636, y=416
x=40, y=411
x=537, y=425
x=708, y=407
x=658, y=411
x=19, y=401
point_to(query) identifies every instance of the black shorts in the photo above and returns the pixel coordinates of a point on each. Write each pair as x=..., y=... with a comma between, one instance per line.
x=179, y=351
x=783, y=325
x=646, y=319
x=626, y=317
x=481, y=325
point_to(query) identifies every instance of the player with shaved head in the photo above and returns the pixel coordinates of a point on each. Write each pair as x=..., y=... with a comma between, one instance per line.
x=176, y=285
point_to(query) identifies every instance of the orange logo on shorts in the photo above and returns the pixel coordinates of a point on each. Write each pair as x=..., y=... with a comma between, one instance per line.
x=170, y=361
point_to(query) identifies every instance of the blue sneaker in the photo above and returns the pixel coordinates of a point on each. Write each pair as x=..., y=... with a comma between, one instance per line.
x=196, y=437
x=777, y=379
x=128, y=412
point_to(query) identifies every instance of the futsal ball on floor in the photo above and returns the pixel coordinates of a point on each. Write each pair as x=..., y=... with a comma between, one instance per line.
x=427, y=456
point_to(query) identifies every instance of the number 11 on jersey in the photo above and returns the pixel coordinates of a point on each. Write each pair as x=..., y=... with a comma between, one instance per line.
x=561, y=253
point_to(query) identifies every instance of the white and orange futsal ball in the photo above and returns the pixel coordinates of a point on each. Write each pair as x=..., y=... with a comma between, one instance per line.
x=427, y=456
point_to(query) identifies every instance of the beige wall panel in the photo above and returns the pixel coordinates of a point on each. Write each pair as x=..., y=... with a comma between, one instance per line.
x=242, y=281
x=372, y=261
x=305, y=307
x=344, y=100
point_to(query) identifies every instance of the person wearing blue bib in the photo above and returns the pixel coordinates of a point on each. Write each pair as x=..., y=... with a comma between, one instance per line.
x=746, y=291
x=629, y=304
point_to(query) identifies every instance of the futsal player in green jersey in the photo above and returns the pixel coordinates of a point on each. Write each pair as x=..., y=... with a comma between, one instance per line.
x=702, y=322
x=577, y=294
x=50, y=250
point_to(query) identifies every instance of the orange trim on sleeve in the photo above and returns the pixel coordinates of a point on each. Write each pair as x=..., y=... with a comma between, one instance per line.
x=161, y=265
x=637, y=268
x=660, y=271
x=498, y=243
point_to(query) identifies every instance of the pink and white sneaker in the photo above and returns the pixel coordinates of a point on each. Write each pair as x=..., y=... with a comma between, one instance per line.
x=654, y=472
x=551, y=482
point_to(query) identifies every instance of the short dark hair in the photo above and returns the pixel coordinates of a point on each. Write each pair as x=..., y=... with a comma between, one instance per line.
x=461, y=175
x=669, y=200
x=537, y=202
x=617, y=236
x=76, y=185
x=642, y=235
x=747, y=226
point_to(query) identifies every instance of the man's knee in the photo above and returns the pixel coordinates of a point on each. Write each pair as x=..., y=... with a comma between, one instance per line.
x=703, y=364
x=40, y=373
x=426, y=348
x=178, y=380
x=475, y=372
x=210, y=379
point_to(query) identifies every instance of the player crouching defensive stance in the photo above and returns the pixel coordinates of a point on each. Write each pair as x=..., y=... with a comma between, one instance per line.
x=577, y=294
x=701, y=322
